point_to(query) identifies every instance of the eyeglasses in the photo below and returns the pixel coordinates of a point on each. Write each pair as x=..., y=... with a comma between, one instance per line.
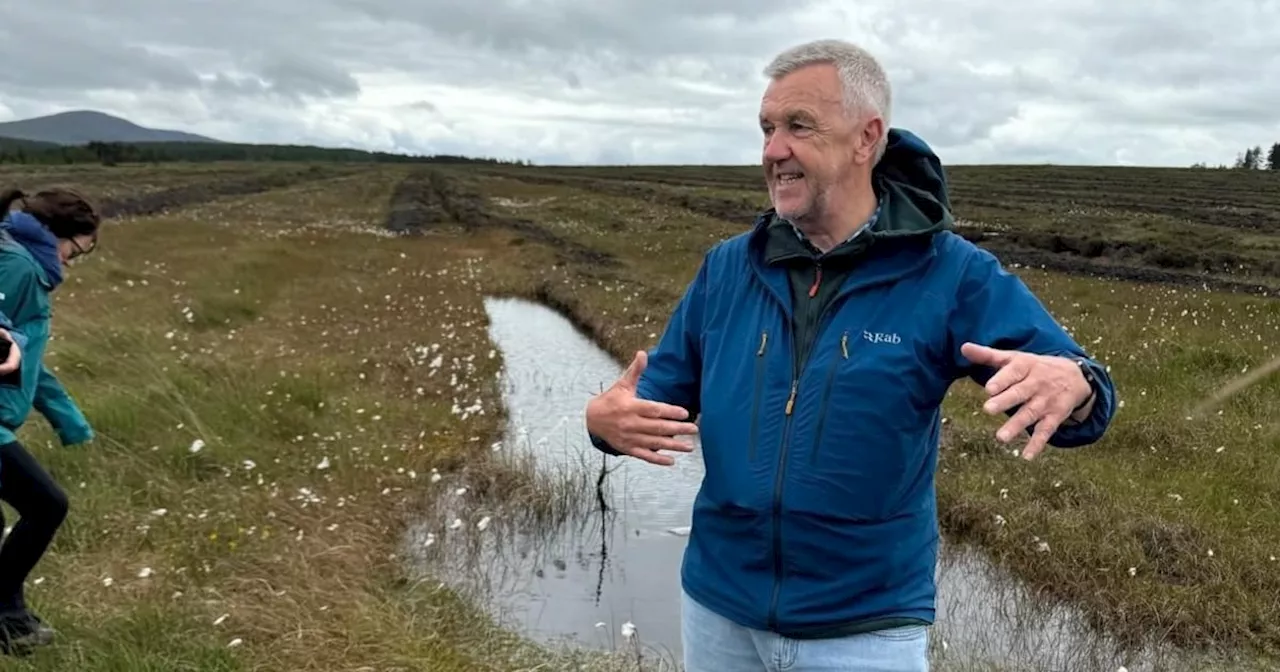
x=81, y=251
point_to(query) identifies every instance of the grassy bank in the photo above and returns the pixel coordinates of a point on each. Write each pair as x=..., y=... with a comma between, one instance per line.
x=326, y=371
x=274, y=382
x=1166, y=529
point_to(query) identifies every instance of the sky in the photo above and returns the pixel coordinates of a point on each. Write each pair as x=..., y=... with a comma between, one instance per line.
x=1161, y=82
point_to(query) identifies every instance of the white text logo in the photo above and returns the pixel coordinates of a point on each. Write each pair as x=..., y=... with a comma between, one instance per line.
x=877, y=337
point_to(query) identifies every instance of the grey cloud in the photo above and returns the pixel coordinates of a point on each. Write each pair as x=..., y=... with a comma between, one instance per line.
x=51, y=52
x=1168, y=81
x=78, y=45
x=655, y=28
x=1134, y=78
x=952, y=106
x=295, y=74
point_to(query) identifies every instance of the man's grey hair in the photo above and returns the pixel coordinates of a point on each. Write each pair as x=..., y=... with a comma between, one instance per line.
x=862, y=80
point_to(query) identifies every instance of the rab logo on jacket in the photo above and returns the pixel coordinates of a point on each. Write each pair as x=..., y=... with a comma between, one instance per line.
x=879, y=337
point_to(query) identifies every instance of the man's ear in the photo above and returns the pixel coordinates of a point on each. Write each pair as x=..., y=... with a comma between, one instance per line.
x=869, y=138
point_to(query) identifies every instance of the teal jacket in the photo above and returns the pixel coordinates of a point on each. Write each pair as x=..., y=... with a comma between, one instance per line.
x=24, y=301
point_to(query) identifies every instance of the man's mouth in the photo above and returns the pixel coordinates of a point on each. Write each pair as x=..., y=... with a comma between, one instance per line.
x=789, y=177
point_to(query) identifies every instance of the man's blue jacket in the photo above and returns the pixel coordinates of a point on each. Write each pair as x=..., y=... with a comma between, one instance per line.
x=817, y=516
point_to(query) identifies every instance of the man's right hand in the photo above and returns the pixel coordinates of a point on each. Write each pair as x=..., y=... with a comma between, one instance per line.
x=635, y=426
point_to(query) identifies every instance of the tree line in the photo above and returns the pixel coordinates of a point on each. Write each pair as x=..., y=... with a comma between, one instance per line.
x=1253, y=159
x=14, y=151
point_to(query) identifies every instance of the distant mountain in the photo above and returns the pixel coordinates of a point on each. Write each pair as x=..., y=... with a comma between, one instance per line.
x=83, y=126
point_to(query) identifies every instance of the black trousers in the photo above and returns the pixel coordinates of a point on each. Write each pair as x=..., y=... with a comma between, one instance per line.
x=41, y=507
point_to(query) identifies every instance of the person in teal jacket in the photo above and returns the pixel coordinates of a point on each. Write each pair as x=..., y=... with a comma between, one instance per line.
x=37, y=240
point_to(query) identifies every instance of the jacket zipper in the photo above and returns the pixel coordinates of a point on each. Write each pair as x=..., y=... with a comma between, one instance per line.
x=826, y=394
x=755, y=404
x=781, y=475
x=782, y=452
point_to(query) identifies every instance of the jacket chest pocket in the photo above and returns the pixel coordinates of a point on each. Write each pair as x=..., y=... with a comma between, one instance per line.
x=872, y=380
x=878, y=396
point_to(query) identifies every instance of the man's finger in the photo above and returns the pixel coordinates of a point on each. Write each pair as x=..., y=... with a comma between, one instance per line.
x=631, y=377
x=657, y=443
x=650, y=456
x=657, y=409
x=649, y=427
x=1020, y=393
x=1014, y=372
x=1019, y=422
x=1040, y=438
x=981, y=354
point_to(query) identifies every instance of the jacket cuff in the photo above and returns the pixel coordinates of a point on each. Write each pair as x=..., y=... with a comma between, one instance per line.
x=603, y=446
x=1073, y=434
x=76, y=435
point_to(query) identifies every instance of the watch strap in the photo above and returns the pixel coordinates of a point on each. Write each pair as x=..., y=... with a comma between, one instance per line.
x=1090, y=378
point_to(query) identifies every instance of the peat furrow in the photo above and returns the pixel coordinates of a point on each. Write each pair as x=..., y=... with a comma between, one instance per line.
x=1084, y=261
x=1203, y=211
x=195, y=194
x=1156, y=263
x=428, y=198
x=1205, y=259
x=1012, y=253
x=709, y=181
x=738, y=210
x=414, y=207
x=469, y=209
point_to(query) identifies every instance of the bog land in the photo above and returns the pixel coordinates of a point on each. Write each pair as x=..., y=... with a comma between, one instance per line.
x=279, y=359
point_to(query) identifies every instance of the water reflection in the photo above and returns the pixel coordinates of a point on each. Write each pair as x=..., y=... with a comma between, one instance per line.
x=605, y=568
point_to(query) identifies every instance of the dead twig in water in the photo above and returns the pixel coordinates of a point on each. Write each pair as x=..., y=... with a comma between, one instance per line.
x=604, y=473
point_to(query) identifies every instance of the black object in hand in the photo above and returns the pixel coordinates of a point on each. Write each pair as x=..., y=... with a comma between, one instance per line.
x=15, y=378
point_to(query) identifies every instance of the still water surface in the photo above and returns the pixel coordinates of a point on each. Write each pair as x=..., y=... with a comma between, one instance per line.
x=582, y=582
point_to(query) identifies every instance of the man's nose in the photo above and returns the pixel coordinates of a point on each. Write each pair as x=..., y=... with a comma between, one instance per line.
x=776, y=148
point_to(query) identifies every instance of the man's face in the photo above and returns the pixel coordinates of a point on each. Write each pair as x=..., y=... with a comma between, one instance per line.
x=811, y=146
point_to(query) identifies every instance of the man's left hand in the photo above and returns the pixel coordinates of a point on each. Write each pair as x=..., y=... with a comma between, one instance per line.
x=1047, y=387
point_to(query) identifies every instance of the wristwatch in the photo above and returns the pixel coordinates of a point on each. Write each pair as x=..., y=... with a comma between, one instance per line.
x=1090, y=378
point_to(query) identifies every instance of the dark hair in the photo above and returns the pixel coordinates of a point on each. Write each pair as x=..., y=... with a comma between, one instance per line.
x=62, y=210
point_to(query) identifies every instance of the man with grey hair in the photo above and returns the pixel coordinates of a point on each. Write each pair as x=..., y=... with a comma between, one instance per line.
x=817, y=349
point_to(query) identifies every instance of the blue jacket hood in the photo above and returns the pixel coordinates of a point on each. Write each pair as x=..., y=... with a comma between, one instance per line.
x=27, y=231
x=909, y=161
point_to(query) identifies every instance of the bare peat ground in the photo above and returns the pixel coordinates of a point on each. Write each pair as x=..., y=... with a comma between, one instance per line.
x=157, y=202
x=1209, y=228
x=130, y=182
x=430, y=200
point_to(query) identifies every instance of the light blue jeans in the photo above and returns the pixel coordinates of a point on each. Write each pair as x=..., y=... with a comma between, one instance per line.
x=712, y=643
